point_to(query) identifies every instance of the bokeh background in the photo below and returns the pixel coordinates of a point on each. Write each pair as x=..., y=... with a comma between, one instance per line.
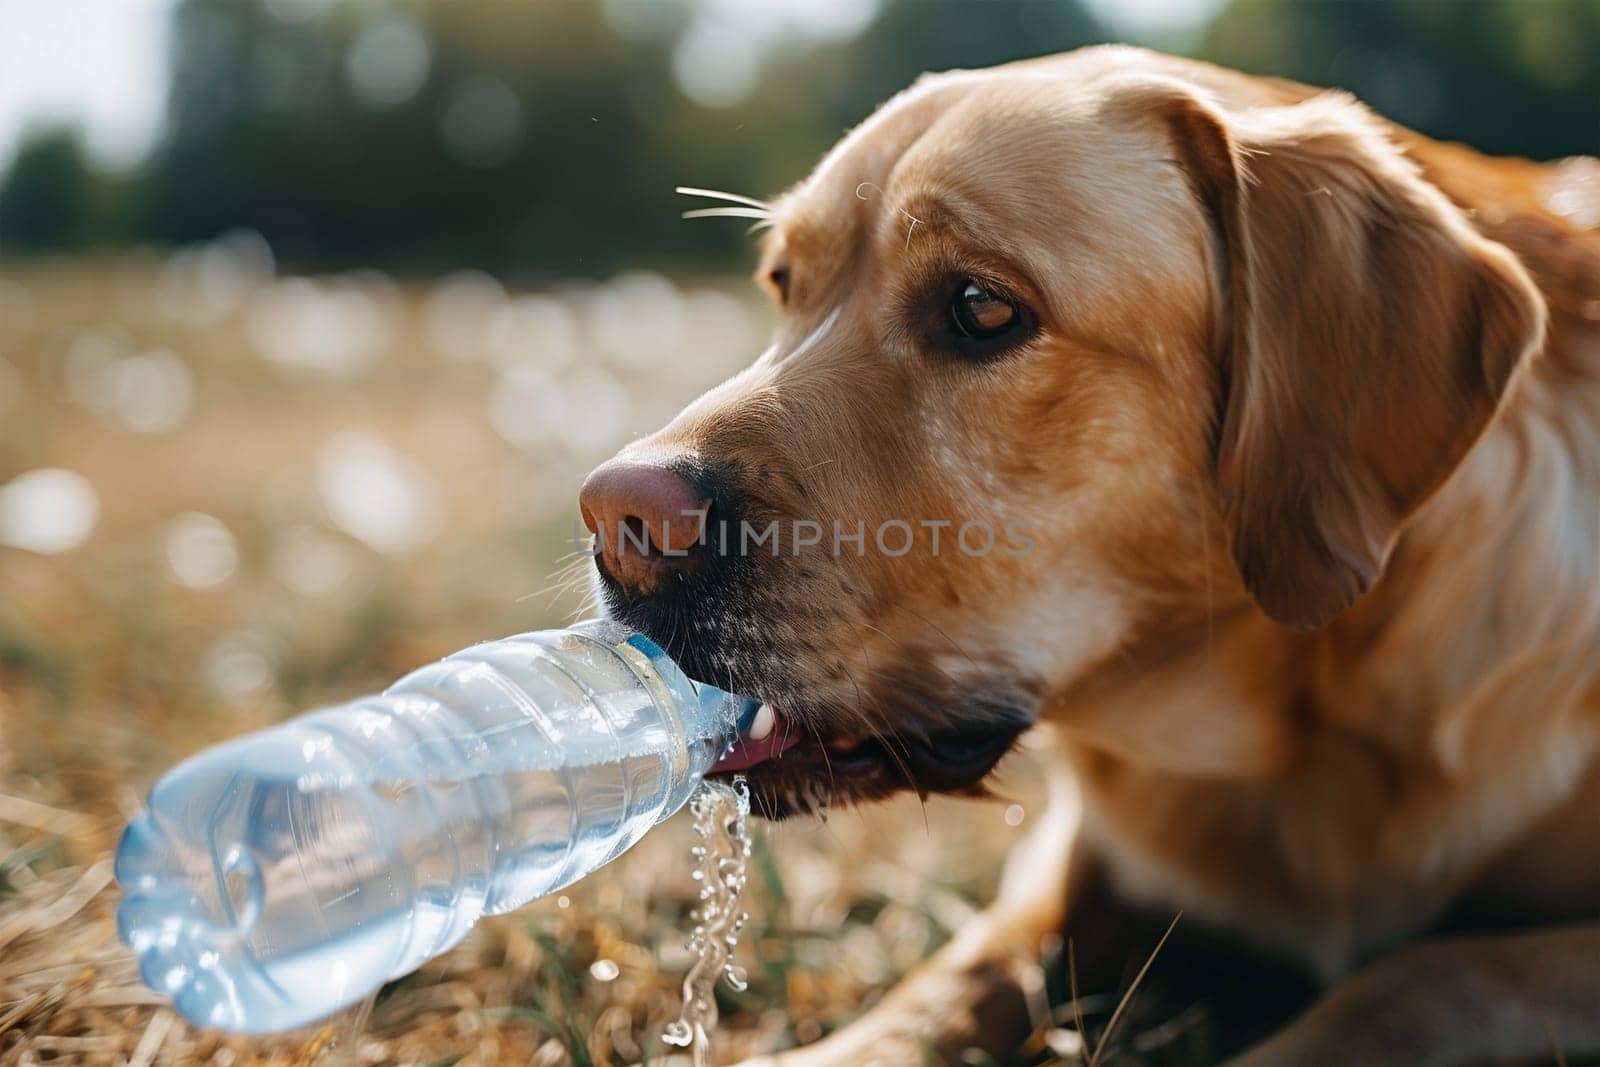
x=313, y=314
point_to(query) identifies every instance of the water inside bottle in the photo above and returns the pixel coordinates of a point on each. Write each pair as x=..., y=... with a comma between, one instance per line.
x=280, y=877
x=722, y=849
x=362, y=886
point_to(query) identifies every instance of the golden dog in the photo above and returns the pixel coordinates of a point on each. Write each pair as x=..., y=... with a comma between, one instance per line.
x=1281, y=426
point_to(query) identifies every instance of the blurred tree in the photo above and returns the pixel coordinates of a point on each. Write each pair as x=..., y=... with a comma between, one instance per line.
x=811, y=95
x=45, y=202
x=521, y=139
x=1515, y=77
x=519, y=144
x=545, y=139
x=911, y=37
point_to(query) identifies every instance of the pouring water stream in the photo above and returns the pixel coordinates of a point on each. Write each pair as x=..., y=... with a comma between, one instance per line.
x=721, y=825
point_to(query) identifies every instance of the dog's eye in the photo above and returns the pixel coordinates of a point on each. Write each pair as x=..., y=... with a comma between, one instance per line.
x=981, y=313
x=970, y=320
x=779, y=277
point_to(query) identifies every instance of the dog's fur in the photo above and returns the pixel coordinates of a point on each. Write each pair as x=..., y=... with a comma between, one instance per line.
x=1307, y=443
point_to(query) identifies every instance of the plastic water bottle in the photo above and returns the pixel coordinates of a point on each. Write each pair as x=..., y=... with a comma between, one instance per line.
x=282, y=876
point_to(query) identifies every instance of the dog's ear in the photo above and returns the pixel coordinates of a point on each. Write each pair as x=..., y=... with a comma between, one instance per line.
x=1366, y=338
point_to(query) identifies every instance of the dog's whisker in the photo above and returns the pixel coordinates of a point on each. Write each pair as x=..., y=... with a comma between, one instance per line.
x=718, y=194
x=912, y=228
x=559, y=587
x=727, y=213
x=915, y=222
x=562, y=576
x=566, y=581
x=902, y=645
x=581, y=562
x=940, y=631
x=569, y=565
x=575, y=578
x=892, y=744
x=833, y=782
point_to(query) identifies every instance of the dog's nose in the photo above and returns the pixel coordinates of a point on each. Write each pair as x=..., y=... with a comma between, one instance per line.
x=647, y=520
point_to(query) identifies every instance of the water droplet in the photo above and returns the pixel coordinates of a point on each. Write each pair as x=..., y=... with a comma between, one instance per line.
x=173, y=979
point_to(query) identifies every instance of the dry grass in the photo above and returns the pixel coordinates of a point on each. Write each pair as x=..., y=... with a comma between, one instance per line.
x=112, y=668
x=826, y=937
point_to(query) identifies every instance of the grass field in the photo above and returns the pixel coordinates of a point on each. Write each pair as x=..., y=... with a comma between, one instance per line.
x=286, y=491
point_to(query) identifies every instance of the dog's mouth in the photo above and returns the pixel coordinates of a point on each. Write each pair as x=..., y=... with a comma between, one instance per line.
x=821, y=739
x=794, y=770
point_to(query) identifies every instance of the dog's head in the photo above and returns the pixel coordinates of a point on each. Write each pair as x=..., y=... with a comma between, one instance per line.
x=1068, y=354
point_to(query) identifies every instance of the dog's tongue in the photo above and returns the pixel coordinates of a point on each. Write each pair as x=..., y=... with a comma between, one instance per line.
x=775, y=738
